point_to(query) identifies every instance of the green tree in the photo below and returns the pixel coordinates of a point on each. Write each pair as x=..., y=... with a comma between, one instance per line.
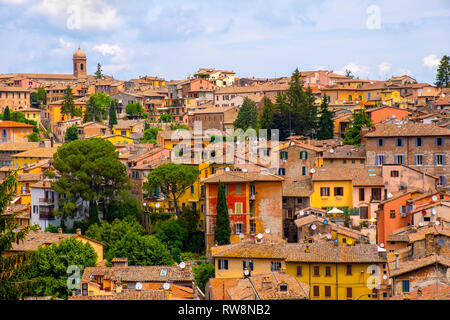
x=247, y=116
x=97, y=107
x=349, y=74
x=42, y=96
x=7, y=114
x=125, y=205
x=172, y=180
x=112, y=114
x=9, y=232
x=178, y=126
x=326, y=124
x=68, y=105
x=34, y=137
x=195, y=239
x=99, y=73
x=353, y=133
x=110, y=233
x=165, y=118
x=267, y=114
x=443, y=73
x=150, y=135
x=282, y=118
x=202, y=274
x=89, y=170
x=141, y=250
x=222, y=230
x=135, y=110
x=94, y=217
x=173, y=235
x=71, y=134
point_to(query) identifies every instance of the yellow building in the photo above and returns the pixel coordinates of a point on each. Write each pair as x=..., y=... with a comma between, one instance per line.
x=32, y=114
x=115, y=138
x=339, y=272
x=29, y=157
x=53, y=111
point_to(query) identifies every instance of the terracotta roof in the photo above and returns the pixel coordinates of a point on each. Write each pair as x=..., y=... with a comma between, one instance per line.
x=359, y=176
x=310, y=219
x=141, y=273
x=295, y=143
x=13, y=89
x=297, y=189
x=407, y=130
x=429, y=206
x=30, y=177
x=238, y=176
x=37, y=153
x=416, y=234
x=15, y=208
x=327, y=251
x=254, y=88
x=212, y=109
x=219, y=287
x=416, y=264
x=92, y=123
x=268, y=248
x=434, y=291
x=18, y=146
x=14, y=124
x=128, y=295
x=345, y=152
x=267, y=287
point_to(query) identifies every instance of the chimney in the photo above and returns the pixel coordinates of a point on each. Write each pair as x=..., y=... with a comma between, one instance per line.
x=51, y=142
x=120, y=262
x=59, y=230
x=396, y=260
x=79, y=231
x=266, y=283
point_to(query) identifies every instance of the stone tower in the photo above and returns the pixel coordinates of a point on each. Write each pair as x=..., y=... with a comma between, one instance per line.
x=79, y=64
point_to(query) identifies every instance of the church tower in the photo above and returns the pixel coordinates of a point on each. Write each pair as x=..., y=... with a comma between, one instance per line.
x=79, y=64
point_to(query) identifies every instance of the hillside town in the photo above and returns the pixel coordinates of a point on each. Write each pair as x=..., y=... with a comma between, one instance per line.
x=310, y=186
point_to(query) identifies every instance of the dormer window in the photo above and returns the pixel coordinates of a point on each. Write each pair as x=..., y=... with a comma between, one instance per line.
x=283, y=287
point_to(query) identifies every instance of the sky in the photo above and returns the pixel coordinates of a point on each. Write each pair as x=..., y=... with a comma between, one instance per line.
x=375, y=39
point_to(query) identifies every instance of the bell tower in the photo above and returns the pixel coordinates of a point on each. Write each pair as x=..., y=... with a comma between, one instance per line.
x=79, y=64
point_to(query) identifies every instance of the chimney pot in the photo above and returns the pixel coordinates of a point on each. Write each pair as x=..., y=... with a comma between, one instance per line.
x=79, y=231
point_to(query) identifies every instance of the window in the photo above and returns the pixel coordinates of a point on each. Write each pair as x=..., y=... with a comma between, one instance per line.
x=338, y=191
x=364, y=212
x=349, y=269
x=419, y=142
x=304, y=155
x=281, y=171
x=192, y=189
x=380, y=142
x=349, y=293
x=392, y=214
x=275, y=266
x=439, y=160
x=239, y=228
x=419, y=160
x=325, y=192
x=399, y=142
x=316, y=271
x=303, y=171
x=394, y=173
x=439, y=141
x=327, y=271
x=327, y=292
x=283, y=155
x=405, y=285
x=376, y=194
x=380, y=159
x=223, y=264
x=441, y=181
x=299, y=200
x=361, y=194
x=238, y=208
x=252, y=227
x=316, y=291
x=238, y=189
x=283, y=287
x=299, y=271
x=399, y=159
x=247, y=264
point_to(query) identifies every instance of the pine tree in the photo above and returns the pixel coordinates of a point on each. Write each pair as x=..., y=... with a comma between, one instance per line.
x=6, y=114
x=267, y=114
x=326, y=124
x=112, y=114
x=443, y=73
x=98, y=73
x=222, y=230
x=94, y=217
x=68, y=106
x=247, y=116
x=353, y=133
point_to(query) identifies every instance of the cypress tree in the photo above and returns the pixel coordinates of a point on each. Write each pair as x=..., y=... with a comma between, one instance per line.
x=443, y=73
x=247, y=116
x=222, y=231
x=94, y=218
x=112, y=115
x=326, y=125
x=267, y=114
x=7, y=114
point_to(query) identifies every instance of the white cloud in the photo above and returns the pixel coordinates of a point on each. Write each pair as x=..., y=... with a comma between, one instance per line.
x=107, y=49
x=431, y=61
x=358, y=70
x=384, y=68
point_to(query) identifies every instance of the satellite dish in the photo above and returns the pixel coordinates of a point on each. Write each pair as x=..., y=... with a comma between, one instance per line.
x=441, y=242
x=267, y=230
x=313, y=226
x=227, y=169
x=385, y=277
x=336, y=240
x=433, y=211
x=292, y=143
x=325, y=222
x=241, y=235
x=331, y=150
x=382, y=245
x=302, y=213
x=166, y=286
x=313, y=171
x=157, y=205
x=420, y=224
x=389, y=195
x=145, y=204
x=246, y=272
x=438, y=223
x=328, y=236
x=259, y=236
x=182, y=265
x=434, y=198
x=138, y=286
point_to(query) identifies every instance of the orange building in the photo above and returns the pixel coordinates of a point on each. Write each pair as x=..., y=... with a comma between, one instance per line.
x=382, y=114
x=12, y=131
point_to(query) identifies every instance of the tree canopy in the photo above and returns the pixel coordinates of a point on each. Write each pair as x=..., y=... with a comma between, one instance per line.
x=71, y=134
x=247, y=116
x=165, y=118
x=353, y=133
x=222, y=230
x=135, y=110
x=89, y=170
x=326, y=124
x=443, y=73
x=68, y=105
x=99, y=73
x=97, y=107
x=150, y=135
x=172, y=180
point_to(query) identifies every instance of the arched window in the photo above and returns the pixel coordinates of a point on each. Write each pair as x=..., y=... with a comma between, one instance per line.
x=81, y=67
